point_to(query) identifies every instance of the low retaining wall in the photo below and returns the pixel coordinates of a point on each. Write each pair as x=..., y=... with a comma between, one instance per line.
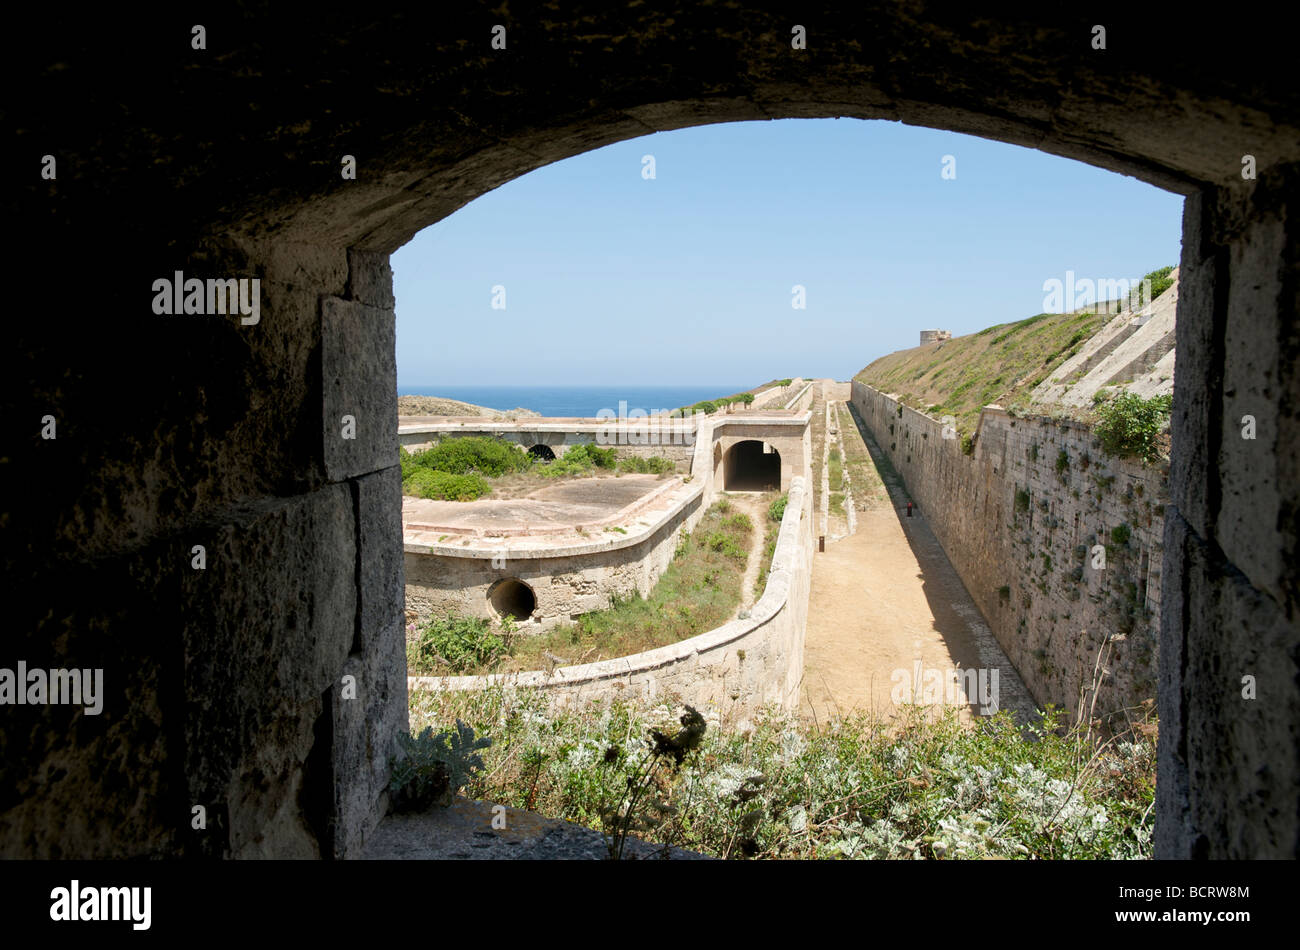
x=566, y=579
x=1020, y=520
x=733, y=670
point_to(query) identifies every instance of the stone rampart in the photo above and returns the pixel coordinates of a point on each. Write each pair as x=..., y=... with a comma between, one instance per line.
x=1028, y=519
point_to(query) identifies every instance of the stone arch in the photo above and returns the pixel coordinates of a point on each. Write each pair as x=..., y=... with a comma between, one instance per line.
x=751, y=465
x=543, y=453
x=209, y=444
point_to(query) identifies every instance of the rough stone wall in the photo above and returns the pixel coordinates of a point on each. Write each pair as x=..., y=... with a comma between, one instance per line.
x=1020, y=520
x=1229, y=752
x=730, y=672
x=225, y=683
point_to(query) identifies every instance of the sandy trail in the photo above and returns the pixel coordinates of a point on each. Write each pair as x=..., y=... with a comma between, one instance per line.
x=755, y=505
x=884, y=599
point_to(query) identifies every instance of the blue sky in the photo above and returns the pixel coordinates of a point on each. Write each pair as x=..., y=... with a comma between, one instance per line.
x=687, y=278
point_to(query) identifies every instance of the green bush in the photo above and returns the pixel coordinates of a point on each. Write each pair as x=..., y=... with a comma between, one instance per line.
x=429, y=483
x=739, y=520
x=1022, y=499
x=600, y=458
x=578, y=460
x=967, y=445
x=474, y=453
x=1160, y=282
x=776, y=510
x=460, y=643
x=725, y=544
x=1131, y=425
x=657, y=465
x=1120, y=534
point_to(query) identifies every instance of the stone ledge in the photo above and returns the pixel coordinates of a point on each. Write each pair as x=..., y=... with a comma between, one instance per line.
x=487, y=548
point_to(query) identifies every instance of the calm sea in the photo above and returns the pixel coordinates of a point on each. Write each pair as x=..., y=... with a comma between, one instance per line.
x=583, y=401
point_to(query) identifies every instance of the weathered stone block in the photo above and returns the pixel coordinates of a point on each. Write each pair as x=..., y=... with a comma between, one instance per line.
x=266, y=628
x=369, y=712
x=370, y=279
x=379, y=534
x=359, y=375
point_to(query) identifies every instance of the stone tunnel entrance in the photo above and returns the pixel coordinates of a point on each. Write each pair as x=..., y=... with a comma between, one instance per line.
x=543, y=453
x=309, y=526
x=511, y=597
x=751, y=466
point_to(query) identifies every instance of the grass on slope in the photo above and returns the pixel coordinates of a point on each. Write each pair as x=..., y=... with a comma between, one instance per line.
x=1000, y=364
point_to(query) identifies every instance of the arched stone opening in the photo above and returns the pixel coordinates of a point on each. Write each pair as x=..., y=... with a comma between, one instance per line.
x=512, y=598
x=209, y=446
x=543, y=453
x=751, y=465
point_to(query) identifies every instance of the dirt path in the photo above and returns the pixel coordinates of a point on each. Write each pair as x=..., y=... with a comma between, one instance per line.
x=886, y=605
x=755, y=505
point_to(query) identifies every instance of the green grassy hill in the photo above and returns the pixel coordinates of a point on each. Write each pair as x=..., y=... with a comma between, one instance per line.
x=1001, y=364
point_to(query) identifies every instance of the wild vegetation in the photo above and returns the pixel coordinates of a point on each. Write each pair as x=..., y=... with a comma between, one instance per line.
x=469, y=467
x=771, y=528
x=923, y=786
x=699, y=590
x=1132, y=426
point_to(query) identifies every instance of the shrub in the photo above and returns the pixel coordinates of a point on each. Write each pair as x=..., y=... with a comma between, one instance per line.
x=474, y=453
x=1131, y=425
x=429, y=483
x=461, y=643
x=776, y=510
x=578, y=460
x=656, y=465
x=725, y=544
x=1062, y=462
x=967, y=445
x=1120, y=534
x=739, y=520
x=1160, y=282
x=1022, y=499
x=432, y=768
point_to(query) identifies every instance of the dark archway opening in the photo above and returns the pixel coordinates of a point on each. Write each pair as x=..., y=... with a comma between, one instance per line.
x=543, y=453
x=751, y=466
x=512, y=598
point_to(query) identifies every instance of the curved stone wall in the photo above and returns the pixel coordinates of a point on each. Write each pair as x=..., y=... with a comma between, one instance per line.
x=734, y=669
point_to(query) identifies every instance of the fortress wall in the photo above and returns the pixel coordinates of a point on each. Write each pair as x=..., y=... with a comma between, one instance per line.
x=730, y=672
x=1028, y=565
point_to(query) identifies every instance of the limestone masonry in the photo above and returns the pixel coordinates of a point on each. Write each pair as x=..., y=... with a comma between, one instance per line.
x=1059, y=544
